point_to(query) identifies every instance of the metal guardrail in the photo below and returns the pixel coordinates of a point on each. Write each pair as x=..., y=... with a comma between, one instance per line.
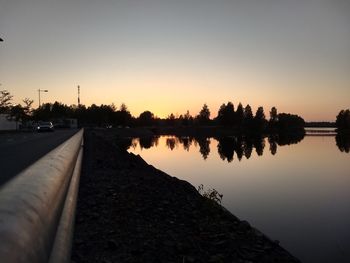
x=37, y=207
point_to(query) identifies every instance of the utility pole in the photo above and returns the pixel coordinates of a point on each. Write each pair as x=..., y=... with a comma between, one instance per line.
x=1, y=40
x=41, y=90
x=78, y=95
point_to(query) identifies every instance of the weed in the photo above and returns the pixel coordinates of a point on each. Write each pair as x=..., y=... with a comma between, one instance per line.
x=211, y=194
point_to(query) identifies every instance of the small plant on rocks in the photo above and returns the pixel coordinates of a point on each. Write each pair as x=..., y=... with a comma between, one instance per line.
x=211, y=194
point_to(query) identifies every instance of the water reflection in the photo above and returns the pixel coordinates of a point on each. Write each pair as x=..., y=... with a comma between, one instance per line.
x=148, y=142
x=170, y=143
x=204, y=146
x=228, y=147
x=273, y=144
x=343, y=142
x=186, y=142
x=297, y=195
x=240, y=146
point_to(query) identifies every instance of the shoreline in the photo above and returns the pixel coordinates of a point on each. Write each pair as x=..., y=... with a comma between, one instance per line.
x=200, y=131
x=129, y=211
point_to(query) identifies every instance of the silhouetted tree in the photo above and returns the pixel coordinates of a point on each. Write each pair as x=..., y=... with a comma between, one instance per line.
x=226, y=114
x=170, y=120
x=273, y=118
x=123, y=107
x=146, y=118
x=248, y=117
x=43, y=112
x=100, y=115
x=20, y=113
x=260, y=115
x=187, y=119
x=204, y=115
x=79, y=112
x=58, y=110
x=343, y=120
x=5, y=101
x=248, y=113
x=16, y=113
x=259, y=120
x=221, y=114
x=290, y=122
x=27, y=108
x=123, y=116
x=239, y=115
x=273, y=115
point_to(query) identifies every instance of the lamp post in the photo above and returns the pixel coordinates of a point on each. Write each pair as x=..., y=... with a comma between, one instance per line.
x=41, y=90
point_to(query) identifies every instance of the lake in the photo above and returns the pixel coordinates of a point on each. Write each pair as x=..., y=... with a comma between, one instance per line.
x=294, y=190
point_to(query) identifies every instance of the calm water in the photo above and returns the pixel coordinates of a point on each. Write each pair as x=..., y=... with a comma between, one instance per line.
x=298, y=194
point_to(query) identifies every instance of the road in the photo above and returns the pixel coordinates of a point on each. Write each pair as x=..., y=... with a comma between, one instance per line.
x=19, y=150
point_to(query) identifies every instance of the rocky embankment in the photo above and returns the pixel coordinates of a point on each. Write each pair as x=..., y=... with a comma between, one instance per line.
x=128, y=211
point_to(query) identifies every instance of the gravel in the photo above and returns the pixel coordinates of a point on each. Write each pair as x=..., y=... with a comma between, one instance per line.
x=129, y=211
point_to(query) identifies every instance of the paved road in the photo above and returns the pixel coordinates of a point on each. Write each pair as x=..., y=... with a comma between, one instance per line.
x=19, y=150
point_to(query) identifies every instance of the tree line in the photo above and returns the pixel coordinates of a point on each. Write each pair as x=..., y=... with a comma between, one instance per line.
x=241, y=118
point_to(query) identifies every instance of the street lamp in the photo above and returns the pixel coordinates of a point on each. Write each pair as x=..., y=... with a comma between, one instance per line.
x=41, y=90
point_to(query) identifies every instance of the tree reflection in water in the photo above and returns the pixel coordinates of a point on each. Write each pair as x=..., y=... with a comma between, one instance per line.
x=259, y=144
x=239, y=145
x=343, y=142
x=148, y=142
x=186, y=142
x=230, y=146
x=171, y=143
x=204, y=146
x=247, y=148
x=226, y=148
x=273, y=144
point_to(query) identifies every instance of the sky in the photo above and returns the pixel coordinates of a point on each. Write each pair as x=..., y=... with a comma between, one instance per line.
x=173, y=56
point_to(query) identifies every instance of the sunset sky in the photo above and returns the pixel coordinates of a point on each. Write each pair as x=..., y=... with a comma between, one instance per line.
x=172, y=56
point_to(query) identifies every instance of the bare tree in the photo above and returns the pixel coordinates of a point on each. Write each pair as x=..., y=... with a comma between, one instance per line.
x=5, y=100
x=28, y=106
